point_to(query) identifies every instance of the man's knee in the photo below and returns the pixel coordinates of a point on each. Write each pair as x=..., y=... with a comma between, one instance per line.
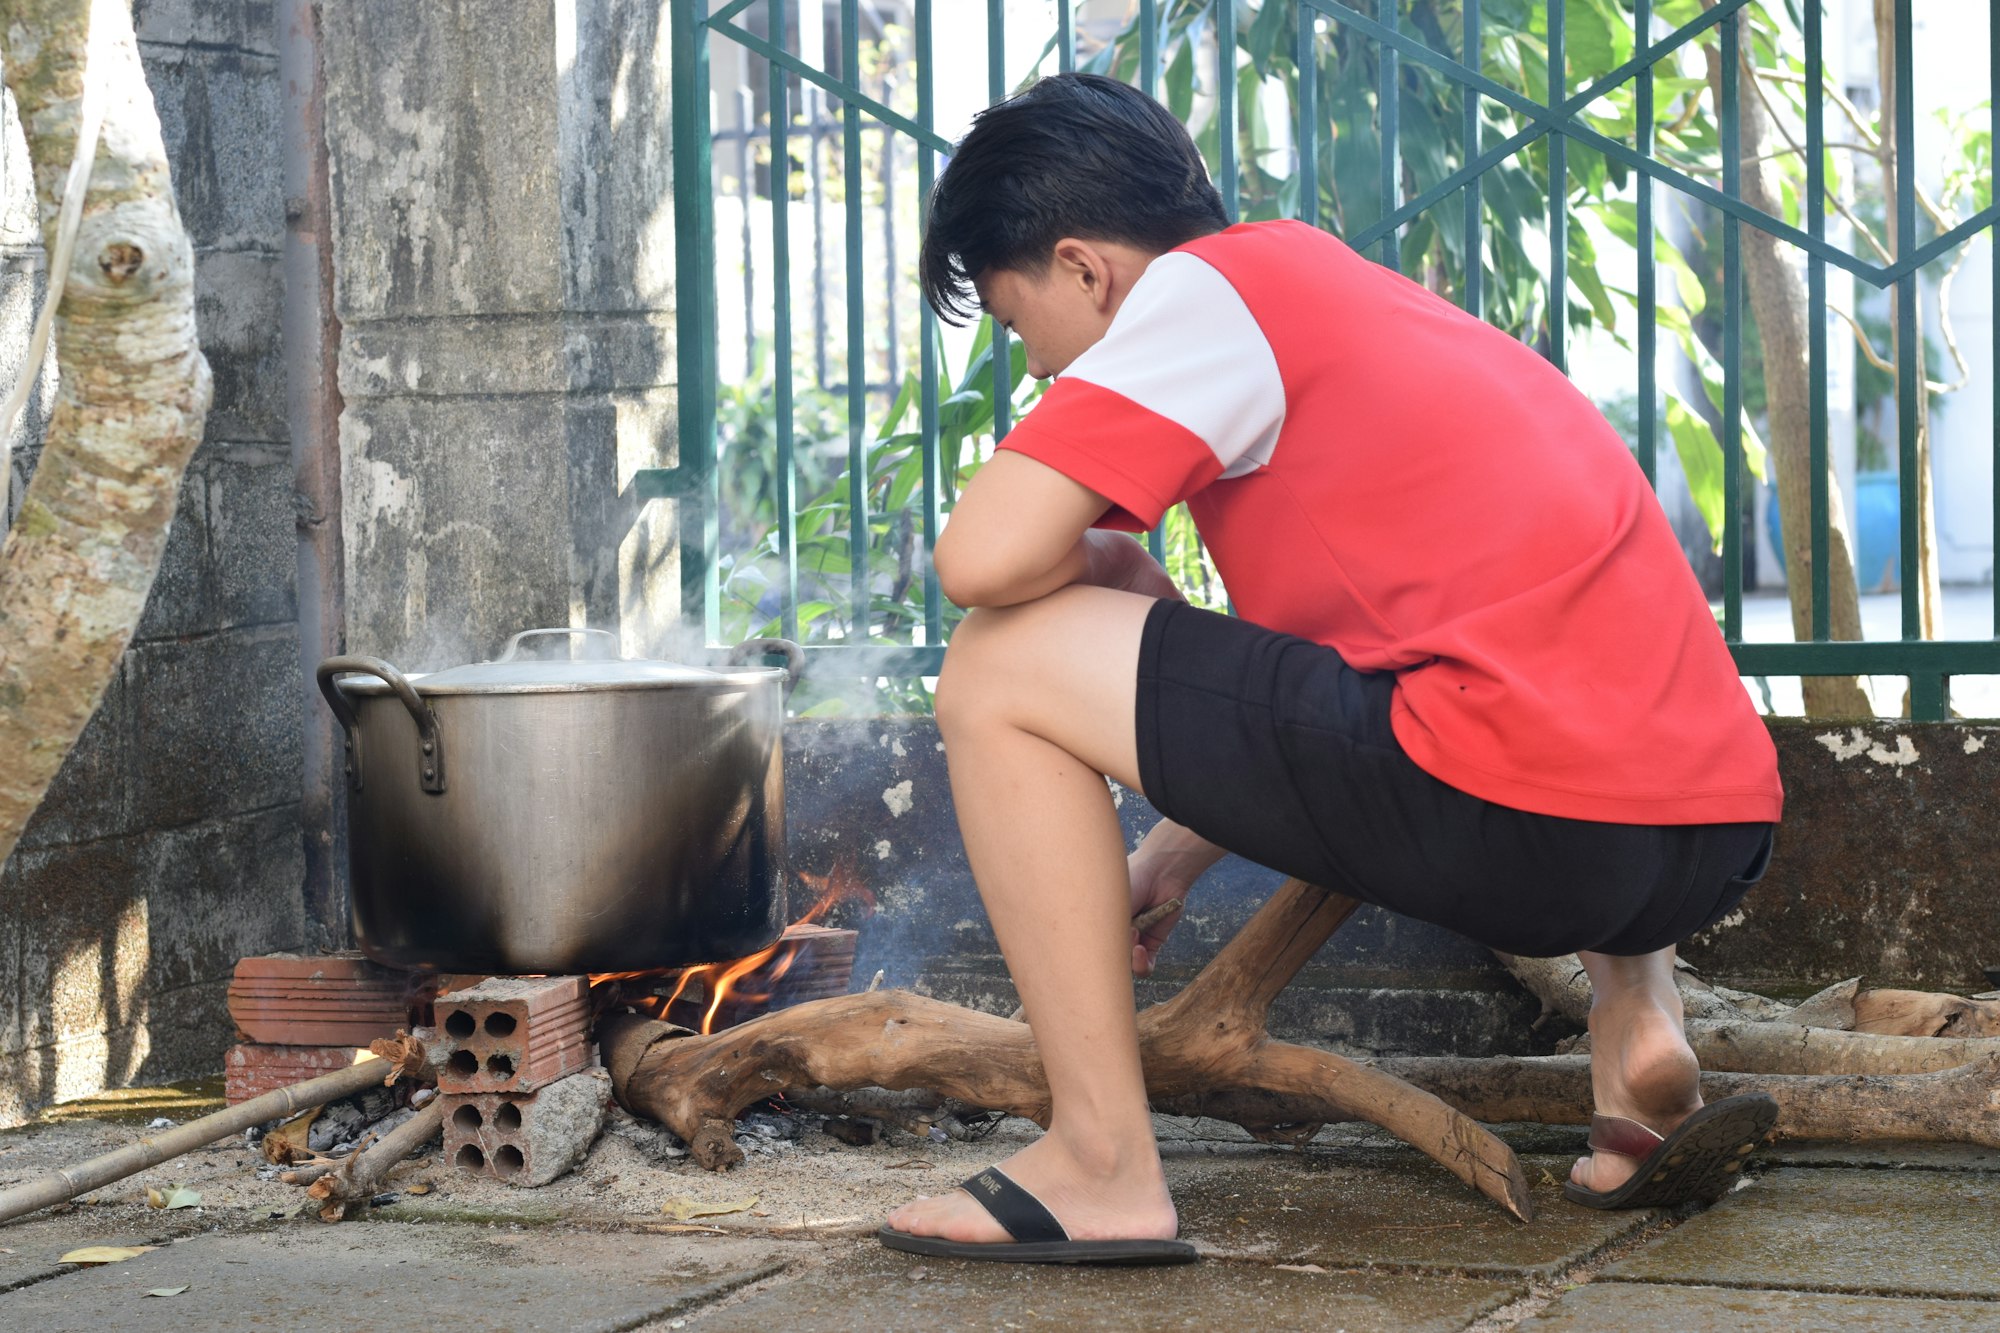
x=965, y=686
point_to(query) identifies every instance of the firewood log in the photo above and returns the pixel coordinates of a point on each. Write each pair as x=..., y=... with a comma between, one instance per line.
x=1912, y=1013
x=1209, y=1039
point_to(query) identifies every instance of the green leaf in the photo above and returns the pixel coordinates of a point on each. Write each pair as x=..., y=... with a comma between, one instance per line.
x=1701, y=461
x=910, y=393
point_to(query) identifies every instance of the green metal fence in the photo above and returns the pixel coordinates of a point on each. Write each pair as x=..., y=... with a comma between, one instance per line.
x=1550, y=124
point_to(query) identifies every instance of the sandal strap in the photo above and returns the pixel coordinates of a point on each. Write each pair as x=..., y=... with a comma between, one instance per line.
x=1026, y=1218
x=1627, y=1138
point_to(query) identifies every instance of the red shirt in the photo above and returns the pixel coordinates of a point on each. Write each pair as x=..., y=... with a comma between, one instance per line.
x=1377, y=471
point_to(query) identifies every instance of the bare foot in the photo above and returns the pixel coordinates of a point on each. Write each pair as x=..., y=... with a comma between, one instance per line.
x=1117, y=1196
x=1642, y=1068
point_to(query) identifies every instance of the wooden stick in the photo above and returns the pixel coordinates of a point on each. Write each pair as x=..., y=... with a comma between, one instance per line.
x=60, y=1186
x=1960, y=1105
x=1925, y=1014
x=1788, y=1048
x=348, y=1188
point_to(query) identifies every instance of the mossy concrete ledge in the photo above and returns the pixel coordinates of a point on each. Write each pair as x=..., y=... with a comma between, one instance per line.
x=1884, y=865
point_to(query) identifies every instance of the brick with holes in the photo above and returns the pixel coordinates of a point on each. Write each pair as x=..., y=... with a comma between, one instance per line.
x=513, y=1034
x=526, y=1139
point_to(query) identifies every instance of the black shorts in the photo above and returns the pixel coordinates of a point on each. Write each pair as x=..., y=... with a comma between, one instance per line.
x=1274, y=748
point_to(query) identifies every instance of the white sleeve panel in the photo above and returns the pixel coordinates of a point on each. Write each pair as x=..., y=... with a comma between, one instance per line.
x=1185, y=346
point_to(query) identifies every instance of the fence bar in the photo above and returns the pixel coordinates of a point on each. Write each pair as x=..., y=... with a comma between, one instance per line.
x=1649, y=267
x=1306, y=132
x=892, y=373
x=1388, y=106
x=1149, y=47
x=927, y=336
x=746, y=193
x=1474, y=267
x=1849, y=657
x=1732, y=338
x=1558, y=196
x=1815, y=208
x=858, y=523
x=781, y=333
x=1993, y=263
x=1225, y=104
x=819, y=78
x=813, y=101
x=1003, y=350
x=694, y=261
x=1544, y=120
x=1909, y=384
x=1066, y=36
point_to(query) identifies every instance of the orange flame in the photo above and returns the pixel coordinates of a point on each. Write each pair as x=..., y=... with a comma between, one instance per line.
x=842, y=884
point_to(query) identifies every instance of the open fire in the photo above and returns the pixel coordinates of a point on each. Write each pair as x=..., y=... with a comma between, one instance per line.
x=810, y=961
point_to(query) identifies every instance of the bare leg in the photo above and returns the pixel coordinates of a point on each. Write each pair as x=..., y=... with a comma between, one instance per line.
x=1641, y=1065
x=1036, y=706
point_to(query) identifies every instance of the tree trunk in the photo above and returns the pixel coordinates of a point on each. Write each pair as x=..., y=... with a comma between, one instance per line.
x=1778, y=300
x=134, y=393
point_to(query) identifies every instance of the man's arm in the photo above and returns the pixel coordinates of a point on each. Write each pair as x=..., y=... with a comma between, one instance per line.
x=1016, y=534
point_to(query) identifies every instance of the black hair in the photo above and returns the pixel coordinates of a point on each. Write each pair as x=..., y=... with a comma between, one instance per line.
x=1075, y=155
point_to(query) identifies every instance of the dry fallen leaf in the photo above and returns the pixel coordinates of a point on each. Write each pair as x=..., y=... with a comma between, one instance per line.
x=682, y=1209
x=1298, y=1268
x=173, y=1196
x=420, y=1189
x=105, y=1254
x=167, y=1291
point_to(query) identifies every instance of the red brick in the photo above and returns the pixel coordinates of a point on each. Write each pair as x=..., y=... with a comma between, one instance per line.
x=251, y=1070
x=318, y=1000
x=513, y=1034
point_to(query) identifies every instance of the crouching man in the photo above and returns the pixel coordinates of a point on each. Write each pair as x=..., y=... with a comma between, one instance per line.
x=1471, y=679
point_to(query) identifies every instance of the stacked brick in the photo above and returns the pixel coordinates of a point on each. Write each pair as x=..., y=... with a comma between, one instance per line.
x=523, y=1098
x=299, y=1016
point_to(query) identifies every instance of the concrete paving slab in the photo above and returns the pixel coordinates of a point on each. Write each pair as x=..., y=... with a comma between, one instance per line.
x=368, y=1276
x=886, y=1292
x=1631, y=1307
x=30, y=1246
x=1317, y=1208
x=1885, y=1156
x=1920, y=1233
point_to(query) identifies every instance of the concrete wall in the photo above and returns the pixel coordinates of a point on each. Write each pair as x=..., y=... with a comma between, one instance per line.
x=503, y=252
x=169, y=845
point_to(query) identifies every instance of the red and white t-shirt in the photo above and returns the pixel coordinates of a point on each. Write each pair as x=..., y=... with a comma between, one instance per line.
x=1377, y=471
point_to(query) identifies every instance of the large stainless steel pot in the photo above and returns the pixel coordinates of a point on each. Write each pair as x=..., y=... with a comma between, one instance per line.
x=607, y=815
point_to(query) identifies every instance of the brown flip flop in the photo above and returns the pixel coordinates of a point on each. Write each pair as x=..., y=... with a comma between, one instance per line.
x=1697, y=1163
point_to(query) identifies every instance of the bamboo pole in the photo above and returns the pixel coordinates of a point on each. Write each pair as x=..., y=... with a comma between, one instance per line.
x=61, y=1186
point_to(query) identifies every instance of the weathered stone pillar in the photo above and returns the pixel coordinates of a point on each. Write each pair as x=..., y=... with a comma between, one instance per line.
x=503, y=213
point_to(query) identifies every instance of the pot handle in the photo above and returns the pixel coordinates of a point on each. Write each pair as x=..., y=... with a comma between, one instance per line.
x=430, y=765
x=514, y=644
x=795, y=657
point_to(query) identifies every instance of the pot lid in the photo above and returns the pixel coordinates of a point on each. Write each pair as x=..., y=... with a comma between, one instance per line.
x=511, y=673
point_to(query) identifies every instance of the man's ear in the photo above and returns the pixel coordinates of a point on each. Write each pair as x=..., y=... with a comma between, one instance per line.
x=1085, y=265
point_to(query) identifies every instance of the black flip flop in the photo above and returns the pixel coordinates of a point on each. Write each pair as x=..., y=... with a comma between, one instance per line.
x=1697, y=1163
x=1038, y=1237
